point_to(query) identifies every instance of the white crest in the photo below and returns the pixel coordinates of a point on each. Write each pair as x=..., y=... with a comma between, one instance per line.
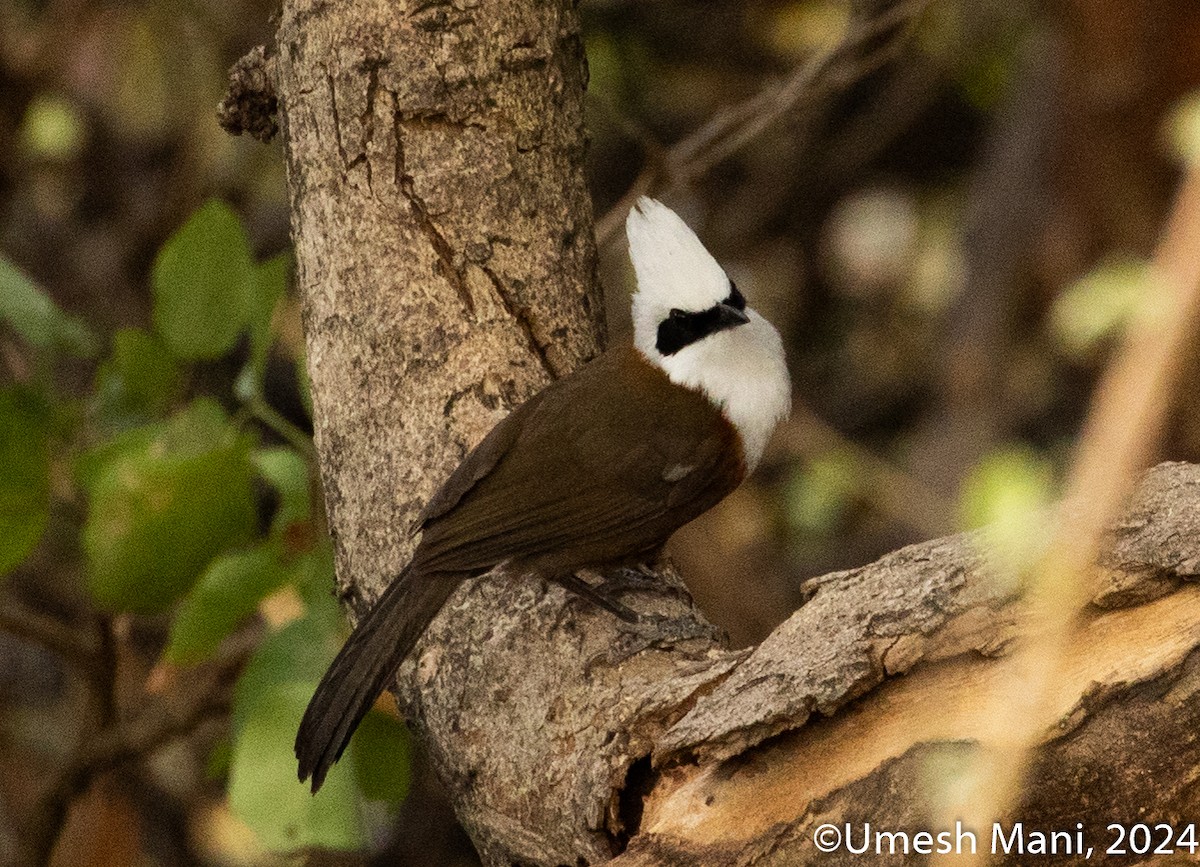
x=671, y=264
x=741, y=369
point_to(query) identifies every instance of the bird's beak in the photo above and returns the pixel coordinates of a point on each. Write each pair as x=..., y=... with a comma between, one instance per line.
x=730, y=317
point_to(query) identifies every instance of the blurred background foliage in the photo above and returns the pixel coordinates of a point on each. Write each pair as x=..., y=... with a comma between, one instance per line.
x=950, y=246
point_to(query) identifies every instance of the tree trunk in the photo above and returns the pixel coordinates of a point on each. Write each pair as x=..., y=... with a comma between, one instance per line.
x=444, y=248
x=444, y=242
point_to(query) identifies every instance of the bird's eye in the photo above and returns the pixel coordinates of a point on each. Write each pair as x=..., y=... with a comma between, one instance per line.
x=678, y=314
x=736, y=299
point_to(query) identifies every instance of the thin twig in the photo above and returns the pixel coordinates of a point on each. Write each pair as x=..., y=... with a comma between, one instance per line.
x=655, y=150
x=730, y=130
x=117, y=741
x=891, y=489
x=147, y=733
x=296, y=438
x=109, y=748
x=21, y=621
x=50, y=811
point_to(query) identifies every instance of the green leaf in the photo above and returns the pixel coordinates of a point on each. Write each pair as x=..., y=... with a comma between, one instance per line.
x=228, y=592
x=217, y=766
x=288, y=474
x=269, y=700
x=1008, y=494
x=31, y=313
x=268, y=703
x=25, y=480
x=818, y=495
x=1011, y=479
x=315, y=578
x=162, y=505
x=606, y=68
x=298, y=653
x=380, y=752
x=269, y=285
x=1182, y=128
x=53, y=128
x=203, y=284
x=139, y=380
x=197, y=428
x=90, y=465
x=1100, y=304
x=794, y=31
x=264, y=792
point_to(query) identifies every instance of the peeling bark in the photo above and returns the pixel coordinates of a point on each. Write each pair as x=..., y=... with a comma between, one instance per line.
x=1117, y=743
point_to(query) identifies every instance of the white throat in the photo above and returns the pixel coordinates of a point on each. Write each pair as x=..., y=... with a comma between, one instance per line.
x=741, y=370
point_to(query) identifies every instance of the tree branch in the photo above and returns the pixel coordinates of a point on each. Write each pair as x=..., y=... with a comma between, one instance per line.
x=107, y=740
x=560, y=739
x=74, y=646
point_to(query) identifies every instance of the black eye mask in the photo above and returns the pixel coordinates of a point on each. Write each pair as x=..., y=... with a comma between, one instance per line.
x=735, y=299
x=682, y=328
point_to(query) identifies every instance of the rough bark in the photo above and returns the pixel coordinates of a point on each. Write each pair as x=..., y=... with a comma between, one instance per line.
x=751, y=772
x=251, y=105
x=444, y=245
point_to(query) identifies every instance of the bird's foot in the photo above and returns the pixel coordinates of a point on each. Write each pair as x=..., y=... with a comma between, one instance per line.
x=660, y=632
x=598, y=596
x=635, y=631
x=640, y=579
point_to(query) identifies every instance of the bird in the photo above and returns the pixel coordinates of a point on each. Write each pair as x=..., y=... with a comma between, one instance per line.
x=595, y=471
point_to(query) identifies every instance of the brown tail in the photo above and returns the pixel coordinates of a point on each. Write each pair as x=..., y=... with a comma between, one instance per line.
x=363, y=667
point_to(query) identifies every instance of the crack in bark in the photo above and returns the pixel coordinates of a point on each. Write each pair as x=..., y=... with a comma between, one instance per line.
x=641, y=771
x=337, y=120
x=520, y=315
x=418, y=8
x=490, y=401
x=445, y=253
x=427, y=119
x=367, y=119
x=443, y=17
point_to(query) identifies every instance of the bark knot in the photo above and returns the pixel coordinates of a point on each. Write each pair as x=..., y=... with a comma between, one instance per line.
x=251, y=104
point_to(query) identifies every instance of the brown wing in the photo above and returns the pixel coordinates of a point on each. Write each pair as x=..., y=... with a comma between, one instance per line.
x=479, y=462
x=603, y=465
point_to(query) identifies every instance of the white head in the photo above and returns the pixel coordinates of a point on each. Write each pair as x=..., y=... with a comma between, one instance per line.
x=690, y=320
